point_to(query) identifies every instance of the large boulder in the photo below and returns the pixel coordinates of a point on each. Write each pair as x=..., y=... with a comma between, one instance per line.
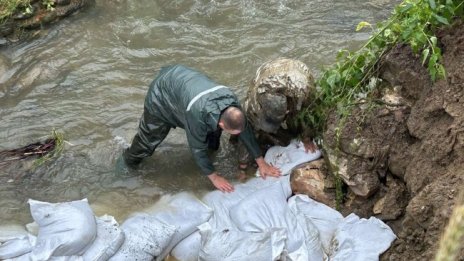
x=314, y=180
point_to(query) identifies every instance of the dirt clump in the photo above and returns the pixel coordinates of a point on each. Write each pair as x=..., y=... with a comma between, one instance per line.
x=401, y=160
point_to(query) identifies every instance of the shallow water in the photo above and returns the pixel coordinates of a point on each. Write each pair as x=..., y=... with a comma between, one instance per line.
x=87, y=76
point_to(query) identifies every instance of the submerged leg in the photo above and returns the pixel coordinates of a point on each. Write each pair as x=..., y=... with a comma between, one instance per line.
x=152, y=131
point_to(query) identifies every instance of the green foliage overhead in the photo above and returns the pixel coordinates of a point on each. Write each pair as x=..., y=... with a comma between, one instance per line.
x=413, y=22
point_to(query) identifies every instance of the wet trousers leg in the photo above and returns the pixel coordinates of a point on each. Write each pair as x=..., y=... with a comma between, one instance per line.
x=152, y=131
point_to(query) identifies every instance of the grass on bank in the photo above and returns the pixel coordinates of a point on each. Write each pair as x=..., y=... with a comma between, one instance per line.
x=354, y=75
x=8, y=7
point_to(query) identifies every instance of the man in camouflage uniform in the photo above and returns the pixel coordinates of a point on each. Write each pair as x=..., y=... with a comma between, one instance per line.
x=277, y=94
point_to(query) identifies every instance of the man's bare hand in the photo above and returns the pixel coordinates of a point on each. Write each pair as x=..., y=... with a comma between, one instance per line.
x=310, y=146
x=220, y=183
x=266, y=169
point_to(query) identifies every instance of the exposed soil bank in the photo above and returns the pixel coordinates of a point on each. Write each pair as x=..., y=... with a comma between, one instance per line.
x=403, y=159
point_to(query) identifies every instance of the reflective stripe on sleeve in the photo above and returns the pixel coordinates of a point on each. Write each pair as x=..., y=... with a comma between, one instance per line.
x=203, y=93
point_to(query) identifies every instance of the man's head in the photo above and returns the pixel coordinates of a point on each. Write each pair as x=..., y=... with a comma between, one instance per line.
x=232, y=120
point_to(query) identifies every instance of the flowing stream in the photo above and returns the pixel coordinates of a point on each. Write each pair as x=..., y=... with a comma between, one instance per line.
x=87, y=76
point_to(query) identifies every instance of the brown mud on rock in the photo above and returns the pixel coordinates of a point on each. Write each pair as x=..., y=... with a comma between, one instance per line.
x=402, y=160
x=313, y=179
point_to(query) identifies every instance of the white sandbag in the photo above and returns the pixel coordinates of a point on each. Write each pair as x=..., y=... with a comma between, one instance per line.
x=145, y=238
x=65, y=229
x=267, y=208
x=183, y=211
x=108, y=241
x=8, y=232
x=287, y=158
x=17, y=246
x=221, y=202
x=30, y=257
x=311, y=238
x=258, y=211
x=188, y=249
x=231, y=245
x=33, y=228
x=66, y=258
x=324, y=218
x=361, y=239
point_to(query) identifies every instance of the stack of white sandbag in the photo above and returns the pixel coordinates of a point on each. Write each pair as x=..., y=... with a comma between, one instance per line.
x=153, y=233
x=255, y=213
x=188, y=249
x=66, y=231
x=289, y=228
x=70, y=231
x=265, y=223
x=15, y=241
x=349, y=238
x=260, y=220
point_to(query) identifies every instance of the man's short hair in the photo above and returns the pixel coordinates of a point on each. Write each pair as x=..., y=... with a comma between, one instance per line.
x=233, y=118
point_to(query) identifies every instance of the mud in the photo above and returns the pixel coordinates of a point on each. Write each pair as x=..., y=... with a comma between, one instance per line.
x=402, y=158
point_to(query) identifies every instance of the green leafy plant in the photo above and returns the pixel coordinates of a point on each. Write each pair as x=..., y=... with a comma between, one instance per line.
x=354, y=75
x=49, y=4
x=9, y=7
x=413, y=22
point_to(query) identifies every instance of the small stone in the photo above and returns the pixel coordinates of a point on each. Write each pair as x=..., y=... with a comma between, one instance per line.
x=3, y=41
x=378, y=206
x=384, y=112
x=6, y=28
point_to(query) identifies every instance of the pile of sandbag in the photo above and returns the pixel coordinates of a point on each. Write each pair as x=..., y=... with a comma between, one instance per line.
x=260, y=220
x=67, y=230
x=70, y=231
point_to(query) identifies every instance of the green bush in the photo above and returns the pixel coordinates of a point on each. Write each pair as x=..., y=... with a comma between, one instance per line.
x=8, y=7
x=413, y=22
x=354, y=76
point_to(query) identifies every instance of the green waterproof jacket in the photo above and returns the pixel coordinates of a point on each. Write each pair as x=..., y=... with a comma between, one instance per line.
x=185, y=98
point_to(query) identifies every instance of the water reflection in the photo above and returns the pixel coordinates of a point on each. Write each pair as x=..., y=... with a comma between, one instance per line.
x=87, y=77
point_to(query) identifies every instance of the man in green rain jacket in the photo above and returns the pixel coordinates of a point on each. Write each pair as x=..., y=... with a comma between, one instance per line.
x=182, y=97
